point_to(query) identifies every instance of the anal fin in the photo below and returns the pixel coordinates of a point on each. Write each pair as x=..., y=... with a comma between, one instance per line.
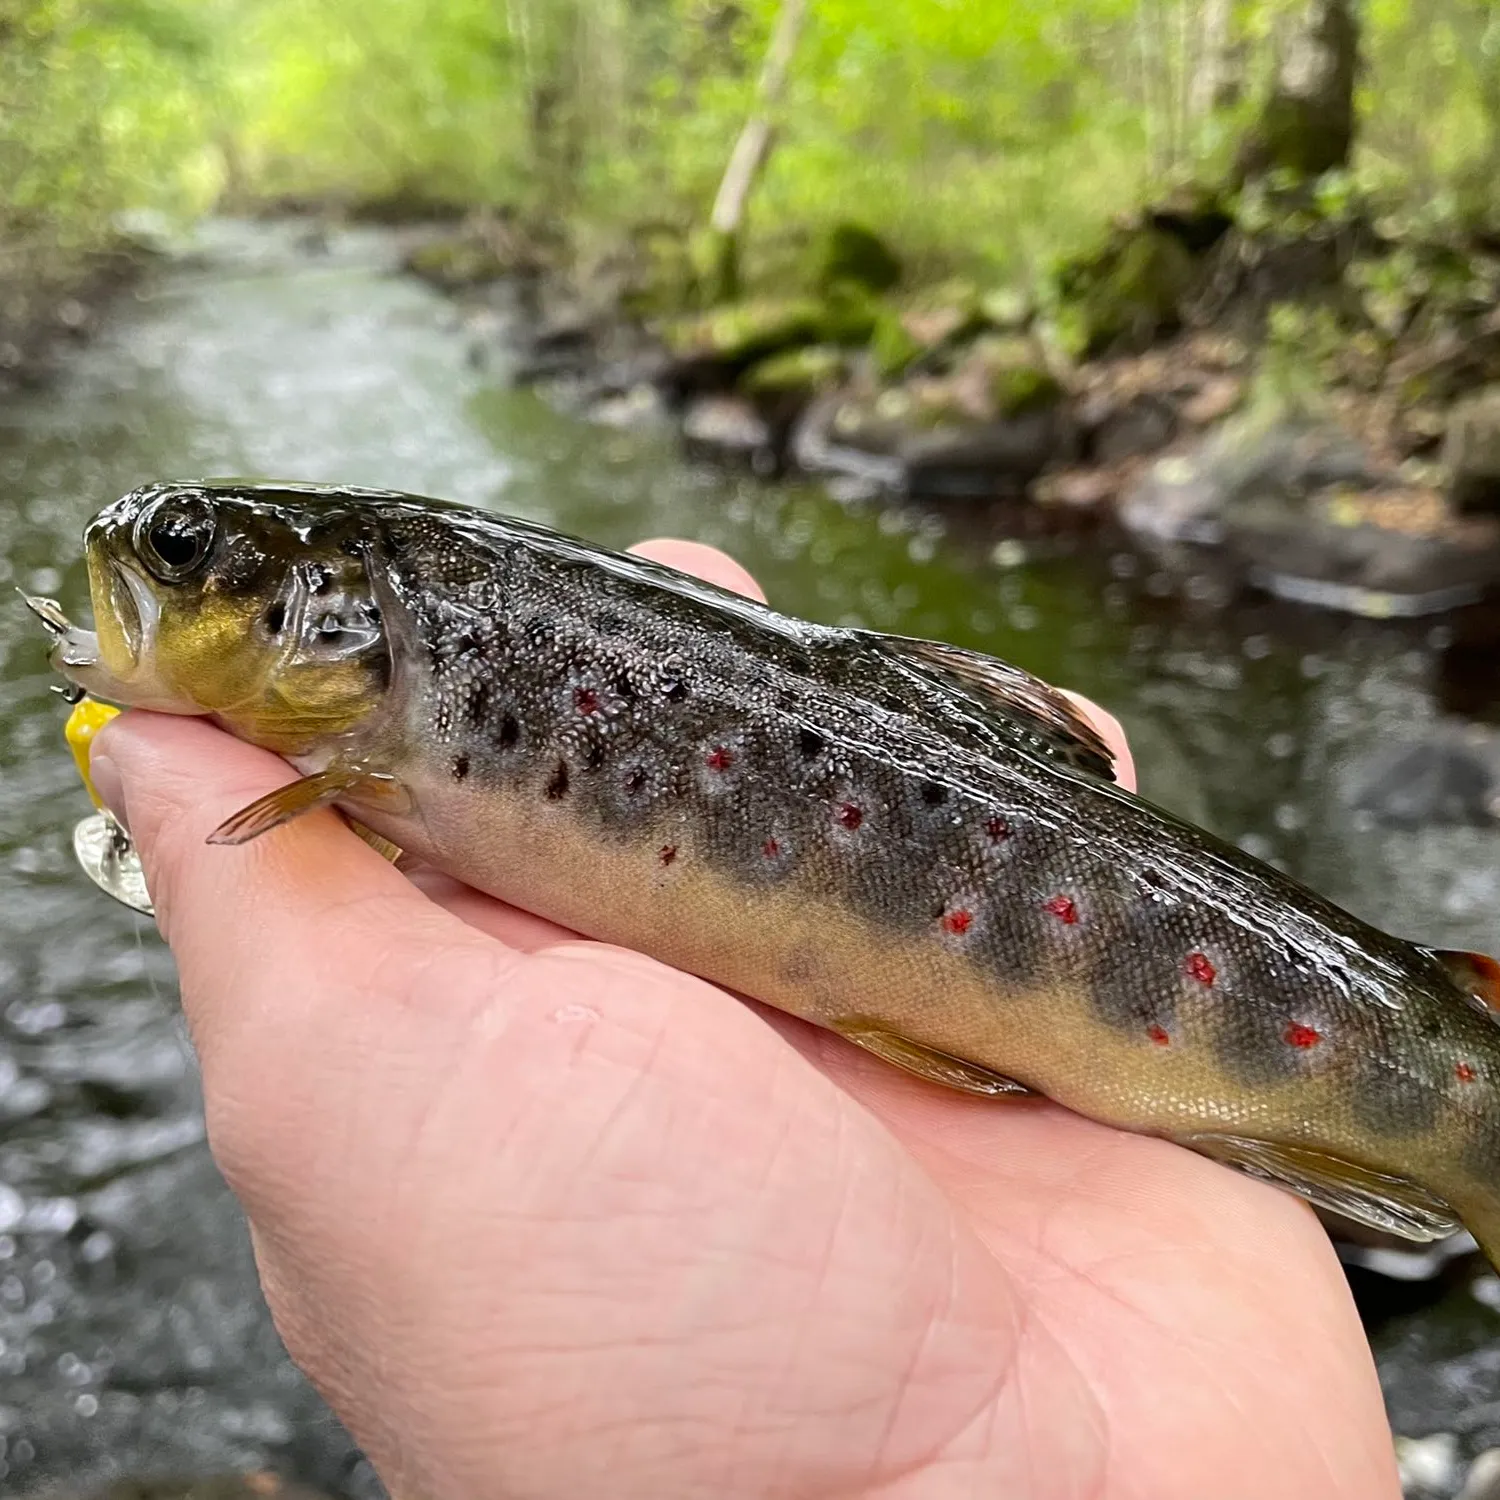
x=1376, y=1199
x=927, y=1062
x=298, y=797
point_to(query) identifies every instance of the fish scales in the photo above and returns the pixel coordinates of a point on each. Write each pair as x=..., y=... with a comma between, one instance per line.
x=908, y=844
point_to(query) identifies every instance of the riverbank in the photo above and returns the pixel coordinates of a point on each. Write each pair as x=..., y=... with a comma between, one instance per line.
x=1303, y=382
x=49, y=300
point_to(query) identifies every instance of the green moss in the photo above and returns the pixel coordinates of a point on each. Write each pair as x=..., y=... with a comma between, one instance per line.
x=797, y=372
x=747, y=331
x=1015, y=375
x=458, y=262
x=892, y=347
x=852, y=254
x=1132, y=292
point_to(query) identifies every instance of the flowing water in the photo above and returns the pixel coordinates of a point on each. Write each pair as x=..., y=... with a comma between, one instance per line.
x=132, y=1337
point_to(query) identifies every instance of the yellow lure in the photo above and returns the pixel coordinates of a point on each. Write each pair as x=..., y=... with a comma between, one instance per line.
x=89, y=716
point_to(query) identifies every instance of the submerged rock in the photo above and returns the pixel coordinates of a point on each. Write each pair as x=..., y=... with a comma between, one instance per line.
x=729, y=428
x=1483, y=1479
x=926, y=442
x=1437, y=781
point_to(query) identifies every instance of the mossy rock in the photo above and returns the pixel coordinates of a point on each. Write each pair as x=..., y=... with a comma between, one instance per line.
x=452, y=265
x=944, y=314
x=1012, y=375
x=797, y=372
x=1007, y=308
x=744, y=332
x=665, y=282
x=852, y=254
x=1131, y=293
x=892, y=347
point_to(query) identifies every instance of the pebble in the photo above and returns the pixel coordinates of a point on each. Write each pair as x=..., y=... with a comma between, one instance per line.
x=1427, y=1465
x=1483, y=1481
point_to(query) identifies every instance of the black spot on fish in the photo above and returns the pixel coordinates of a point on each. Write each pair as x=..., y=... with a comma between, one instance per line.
x=811, y=743
x=676, y=691
x=934, y=793
x=594, y=755
x=460, y=767
x=892, y=704
x=1136, y=980
x=469, y=644
x=276, y=617
x=509, y=732
x=557, y=784
x=476, y=705
x=608, y=623
x=635, y=780
x=625, y=688
x=797, y=662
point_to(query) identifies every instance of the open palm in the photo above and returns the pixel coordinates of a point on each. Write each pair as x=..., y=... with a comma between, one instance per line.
x=545, y=1218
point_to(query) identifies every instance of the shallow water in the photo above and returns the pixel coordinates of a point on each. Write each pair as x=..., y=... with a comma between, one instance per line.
x=132, y=1338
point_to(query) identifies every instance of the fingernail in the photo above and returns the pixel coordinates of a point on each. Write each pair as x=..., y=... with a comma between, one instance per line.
x=106, y=778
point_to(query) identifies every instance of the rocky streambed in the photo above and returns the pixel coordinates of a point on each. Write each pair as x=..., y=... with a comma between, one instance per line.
x=1303, y=385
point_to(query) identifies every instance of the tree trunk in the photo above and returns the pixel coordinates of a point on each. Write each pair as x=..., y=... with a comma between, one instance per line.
x=751, y=151
x=1307, y=125
x=1213, y=84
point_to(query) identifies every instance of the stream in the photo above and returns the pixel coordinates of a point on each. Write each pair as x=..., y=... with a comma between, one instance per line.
x=133, y=1340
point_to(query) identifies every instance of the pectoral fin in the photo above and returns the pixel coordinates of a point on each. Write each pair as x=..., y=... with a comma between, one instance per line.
x=1390, y=1203
x=927, y=1062
x=354, y=783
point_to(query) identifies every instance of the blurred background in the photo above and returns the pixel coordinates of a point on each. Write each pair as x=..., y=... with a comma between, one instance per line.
x=1151, y=344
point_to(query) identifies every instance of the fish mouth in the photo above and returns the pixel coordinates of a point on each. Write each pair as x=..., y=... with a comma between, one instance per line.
x=74, y=649
x=77, y=654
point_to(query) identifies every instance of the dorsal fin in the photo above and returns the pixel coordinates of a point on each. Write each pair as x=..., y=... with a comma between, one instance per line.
x=1049, y=714
x=1476, y=974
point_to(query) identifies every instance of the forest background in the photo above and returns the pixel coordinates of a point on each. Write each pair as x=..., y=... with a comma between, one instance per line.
x=985, y=139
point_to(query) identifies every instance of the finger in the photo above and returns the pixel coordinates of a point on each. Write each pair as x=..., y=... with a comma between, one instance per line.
x=702, y=561
x=1113, y=734
x=309, y=900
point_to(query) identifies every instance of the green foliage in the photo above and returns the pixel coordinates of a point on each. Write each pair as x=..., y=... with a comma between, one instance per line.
x=984, y=140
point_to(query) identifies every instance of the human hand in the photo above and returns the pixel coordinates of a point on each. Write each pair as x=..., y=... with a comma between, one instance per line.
x=545, y=1218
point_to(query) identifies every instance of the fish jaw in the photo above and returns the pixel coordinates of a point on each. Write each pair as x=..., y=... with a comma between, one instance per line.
x=78, y=655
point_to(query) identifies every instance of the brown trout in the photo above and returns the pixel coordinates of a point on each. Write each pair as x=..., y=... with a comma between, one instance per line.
x=917, y=846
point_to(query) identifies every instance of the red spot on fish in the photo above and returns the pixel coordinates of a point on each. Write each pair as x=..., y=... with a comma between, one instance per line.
x=720, y=758
x=668, y=853
x=997, y=828
x=1298, y=1035
x=1199, y=968
x=771, y=848
x=587, y=701
x=1464, y=1073
x=1063, y=908
x=851, y=816
x=1158, y=1034
x=958, y=921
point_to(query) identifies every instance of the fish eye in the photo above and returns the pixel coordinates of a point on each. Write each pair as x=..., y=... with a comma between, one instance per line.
x=174, y=535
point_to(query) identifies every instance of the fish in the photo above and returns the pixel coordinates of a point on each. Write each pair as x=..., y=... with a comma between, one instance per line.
x=919, y=847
